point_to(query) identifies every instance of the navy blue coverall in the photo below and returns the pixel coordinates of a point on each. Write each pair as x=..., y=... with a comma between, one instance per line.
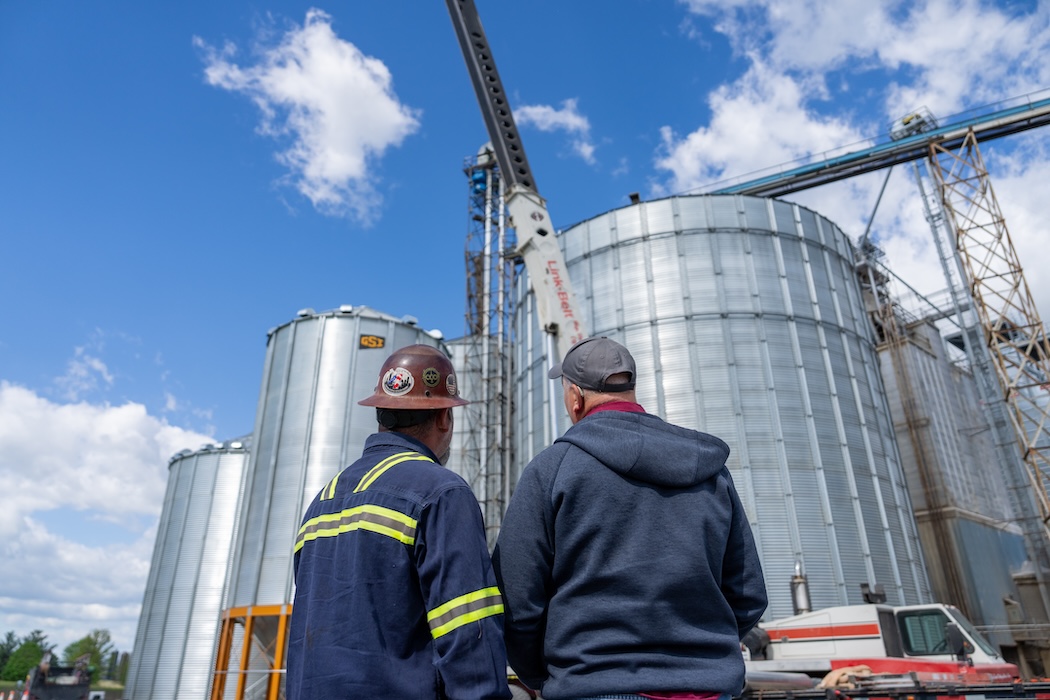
x=395, y=595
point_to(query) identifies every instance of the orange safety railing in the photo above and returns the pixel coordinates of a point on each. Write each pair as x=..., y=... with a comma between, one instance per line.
x=252, y=647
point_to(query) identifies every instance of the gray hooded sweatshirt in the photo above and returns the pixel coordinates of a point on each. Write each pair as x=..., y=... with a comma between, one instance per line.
x=627, y=563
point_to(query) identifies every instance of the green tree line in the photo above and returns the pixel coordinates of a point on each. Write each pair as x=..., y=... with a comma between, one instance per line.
x=20, y=654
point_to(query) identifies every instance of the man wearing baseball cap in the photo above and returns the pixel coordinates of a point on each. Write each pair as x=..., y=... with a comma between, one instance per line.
x=626, y=562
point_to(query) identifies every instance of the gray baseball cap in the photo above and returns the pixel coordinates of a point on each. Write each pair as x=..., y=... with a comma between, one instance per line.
x=590, y=362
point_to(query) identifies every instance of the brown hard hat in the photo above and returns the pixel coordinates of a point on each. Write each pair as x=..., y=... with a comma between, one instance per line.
x=414, y=378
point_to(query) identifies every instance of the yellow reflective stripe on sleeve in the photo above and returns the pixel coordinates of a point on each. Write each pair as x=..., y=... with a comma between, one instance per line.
x=377, y=471
x=383, y=521
x=464, y=610
x=381, y=466
x=377, y=467
x=328, y=492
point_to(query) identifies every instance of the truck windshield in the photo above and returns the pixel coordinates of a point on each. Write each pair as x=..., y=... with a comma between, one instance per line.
x=922, y=632
x=970, y=630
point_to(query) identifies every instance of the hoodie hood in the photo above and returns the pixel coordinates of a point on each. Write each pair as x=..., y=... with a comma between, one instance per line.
x=645, y=448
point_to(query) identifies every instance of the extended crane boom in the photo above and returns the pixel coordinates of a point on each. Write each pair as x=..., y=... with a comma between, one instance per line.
x=556, y=304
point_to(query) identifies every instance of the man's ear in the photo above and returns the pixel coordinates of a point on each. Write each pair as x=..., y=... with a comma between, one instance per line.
x=444, y=419
x=575, y=401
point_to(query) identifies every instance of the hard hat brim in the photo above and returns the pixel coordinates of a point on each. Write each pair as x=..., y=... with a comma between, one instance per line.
x=412, y=403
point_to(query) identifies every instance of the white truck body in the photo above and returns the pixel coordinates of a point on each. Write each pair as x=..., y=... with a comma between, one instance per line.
x=888, y=639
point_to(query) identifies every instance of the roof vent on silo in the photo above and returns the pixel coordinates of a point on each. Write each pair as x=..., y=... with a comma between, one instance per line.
x=436, y=334
x=179, y=455
x=346, y=309
x=244, y=442
x=410, y=320
x=635, y=197
x=303, y=313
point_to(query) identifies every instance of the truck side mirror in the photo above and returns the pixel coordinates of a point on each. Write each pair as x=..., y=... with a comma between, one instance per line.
x=957, y=642
x=757, y=643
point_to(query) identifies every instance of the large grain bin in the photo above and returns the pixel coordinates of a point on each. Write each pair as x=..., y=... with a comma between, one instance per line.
x=745, y=318
x=174, y=648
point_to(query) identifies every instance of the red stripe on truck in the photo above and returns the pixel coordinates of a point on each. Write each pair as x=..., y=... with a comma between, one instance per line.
x=865, y=629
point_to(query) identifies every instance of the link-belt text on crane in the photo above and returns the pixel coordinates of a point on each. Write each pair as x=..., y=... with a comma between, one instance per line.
x=563, y=299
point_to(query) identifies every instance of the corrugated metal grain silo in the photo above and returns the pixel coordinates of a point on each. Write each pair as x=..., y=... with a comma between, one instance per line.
x=469, y=383
x=308, y=426
x=745, y=318
x=174, y=648
x=480, y=439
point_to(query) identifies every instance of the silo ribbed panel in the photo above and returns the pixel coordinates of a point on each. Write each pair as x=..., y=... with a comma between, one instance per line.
x=469, y=380
x=479, y=439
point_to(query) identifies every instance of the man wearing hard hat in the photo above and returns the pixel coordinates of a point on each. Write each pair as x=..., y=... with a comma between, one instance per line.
x=395, y=595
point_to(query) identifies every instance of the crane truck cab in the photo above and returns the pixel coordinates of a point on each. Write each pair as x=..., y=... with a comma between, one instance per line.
x=932, y=638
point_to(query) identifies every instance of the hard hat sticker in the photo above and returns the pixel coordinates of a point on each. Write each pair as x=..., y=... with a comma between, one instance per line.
x=450, y=384
x=431, y=376
x=398, y=381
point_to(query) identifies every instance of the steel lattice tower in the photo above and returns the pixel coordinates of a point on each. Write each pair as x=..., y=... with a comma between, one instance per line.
x=1012, y=329
x=491, y=270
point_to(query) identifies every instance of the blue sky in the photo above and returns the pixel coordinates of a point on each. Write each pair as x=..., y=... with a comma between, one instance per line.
x=178, y=178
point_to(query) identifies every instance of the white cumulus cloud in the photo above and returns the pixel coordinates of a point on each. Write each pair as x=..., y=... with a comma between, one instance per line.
x=336, y=104
x=954, y=52
x=79, y=463
x=758, y=121
x=567, y=118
